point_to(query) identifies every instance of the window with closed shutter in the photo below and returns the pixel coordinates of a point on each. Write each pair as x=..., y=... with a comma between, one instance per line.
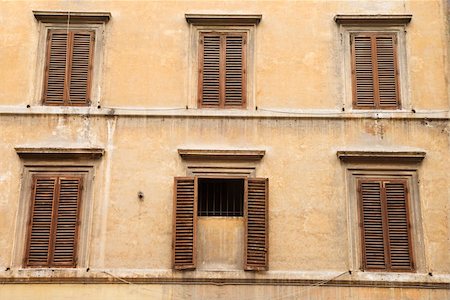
x=68, y=67
x=222, y=70
x=54, y=221
x=386, y=234
x=375, y=71
x=255, y=192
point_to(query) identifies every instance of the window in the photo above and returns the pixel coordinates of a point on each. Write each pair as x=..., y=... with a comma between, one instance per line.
x=220, y=197
x=222, y=60
x=374, y=57
x=222, y=70
x=193, y=194
x=68, y=67
x=54, y=221
x=385, y=232
x=69, y=58
x=375, y=71
x=55, y=207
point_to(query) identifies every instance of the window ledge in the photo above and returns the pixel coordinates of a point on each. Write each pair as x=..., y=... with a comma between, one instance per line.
x=373, y=19
x=76, y=17
x=210, y=19
x=381, y=156
x=59, y=153
x=200, y=154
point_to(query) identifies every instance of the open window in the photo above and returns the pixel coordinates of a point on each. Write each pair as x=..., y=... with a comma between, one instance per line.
x=198, y=196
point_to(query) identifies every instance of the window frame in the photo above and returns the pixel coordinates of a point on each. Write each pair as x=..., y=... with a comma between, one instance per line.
x=372, y=27
x=196, y=30
x=69, y=59
x=97, y=58
x=407, y=174
x=59, y=168
x=246, y=263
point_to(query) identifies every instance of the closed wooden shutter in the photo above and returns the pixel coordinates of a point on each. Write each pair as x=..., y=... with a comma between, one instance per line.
x=185, y=223
x=222, y=70
x=386, y=236
x=54, y=221
x=68, y=68
x=375, y=71
x=257, y=225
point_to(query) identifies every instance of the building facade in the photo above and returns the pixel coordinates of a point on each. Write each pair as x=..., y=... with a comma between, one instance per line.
x=224, y=150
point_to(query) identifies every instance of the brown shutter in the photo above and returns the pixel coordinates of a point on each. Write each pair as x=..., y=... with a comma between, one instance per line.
x=387, y=71
x=373, y=239
x=68, y=67
x=40, y=226
x=374, y=71
x=398, y=226
x=386, y=236
x=209, y=77
x=222, y=70
x=235, y=71
x=81, y=65
x=66, y=222
x=55, y=71
x=54, y=219
x=257, y=224
x=185, y=223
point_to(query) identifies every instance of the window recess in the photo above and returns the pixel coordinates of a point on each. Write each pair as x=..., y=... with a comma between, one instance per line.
x=192, y=195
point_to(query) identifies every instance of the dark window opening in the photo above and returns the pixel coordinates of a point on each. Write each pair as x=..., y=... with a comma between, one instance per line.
x=220, y=197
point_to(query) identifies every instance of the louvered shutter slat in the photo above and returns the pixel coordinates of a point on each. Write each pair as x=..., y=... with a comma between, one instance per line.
x=66, y=231
x=398, y=226
x=234, y=71
x=56, y=68
x=41, y=222
x=387, y=79
x=80, y=68
x=185, y=219
x=210, y=79
x=256, y=238
x=363, y=71
x=372, y=221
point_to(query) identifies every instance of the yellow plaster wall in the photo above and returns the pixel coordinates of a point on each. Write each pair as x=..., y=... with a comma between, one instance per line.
x=298, y=56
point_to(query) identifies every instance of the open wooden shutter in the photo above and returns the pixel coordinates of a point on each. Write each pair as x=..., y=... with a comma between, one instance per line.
x=386, y=236
x=222, y=70
x=398, y=226
x=257, y=224
x=68, y=67
x=374, y=71
x=185, y=223
x=53, y=234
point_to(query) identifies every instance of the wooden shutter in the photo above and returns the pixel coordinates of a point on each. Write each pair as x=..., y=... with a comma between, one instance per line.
x=68, y=68
x=66, y=222
x=54, y=220
x=222, y=70
x=185, y=223
x=257, y=225
x=375, y=71
x=398, y=226
x=386, y=237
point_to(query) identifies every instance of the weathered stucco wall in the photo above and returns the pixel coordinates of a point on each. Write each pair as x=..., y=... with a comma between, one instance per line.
x=298, y=71
x=298, y=52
